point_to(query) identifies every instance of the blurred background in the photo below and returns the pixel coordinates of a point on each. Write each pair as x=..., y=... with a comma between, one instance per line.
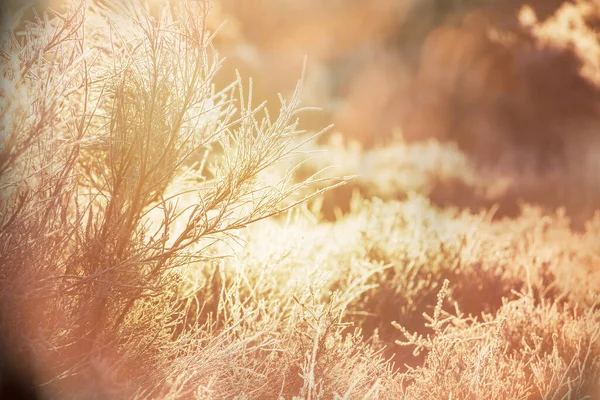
x=508, y=87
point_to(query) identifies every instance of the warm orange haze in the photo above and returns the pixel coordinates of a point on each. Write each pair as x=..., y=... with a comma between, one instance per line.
x=178, y=221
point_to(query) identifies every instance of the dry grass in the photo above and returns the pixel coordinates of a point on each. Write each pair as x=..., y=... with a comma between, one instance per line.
x=165, y=238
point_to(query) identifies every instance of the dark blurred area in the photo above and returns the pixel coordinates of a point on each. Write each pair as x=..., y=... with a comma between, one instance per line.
x=16, y=382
